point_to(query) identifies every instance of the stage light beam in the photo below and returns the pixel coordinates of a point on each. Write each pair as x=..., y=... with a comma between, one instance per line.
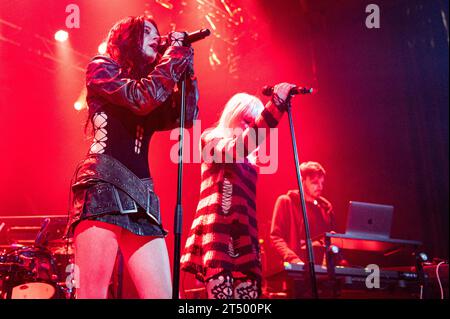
x=165, y=4
x=214, y=60
x=211, y=23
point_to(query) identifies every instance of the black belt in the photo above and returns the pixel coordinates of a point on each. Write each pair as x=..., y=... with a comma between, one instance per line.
x=111, y=186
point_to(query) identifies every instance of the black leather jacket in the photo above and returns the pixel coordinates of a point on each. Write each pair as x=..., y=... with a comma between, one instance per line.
x=106, y=84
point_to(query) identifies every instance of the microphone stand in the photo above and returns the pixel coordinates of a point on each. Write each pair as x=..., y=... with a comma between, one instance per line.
x=191, y=38
x=178, y=209
x=311, y=270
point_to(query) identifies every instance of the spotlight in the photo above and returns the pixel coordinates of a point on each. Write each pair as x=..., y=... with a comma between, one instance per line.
x=423, y=257
x=80, y=102
x=102, y=48
x=61, y=36
x=333, y=249
x=78, y=105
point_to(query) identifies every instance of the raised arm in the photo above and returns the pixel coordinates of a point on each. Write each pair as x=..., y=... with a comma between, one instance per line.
x=105, y=78
x=246, y=141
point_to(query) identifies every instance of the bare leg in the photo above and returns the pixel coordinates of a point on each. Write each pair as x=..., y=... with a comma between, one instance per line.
x=148, y=263
x=96, y=246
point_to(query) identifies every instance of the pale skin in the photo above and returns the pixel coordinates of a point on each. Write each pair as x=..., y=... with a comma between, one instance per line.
x=151, y=40
x=97, y=243
x=146, y=257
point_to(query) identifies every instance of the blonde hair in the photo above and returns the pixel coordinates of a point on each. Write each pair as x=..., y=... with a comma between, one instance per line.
x=240, y=106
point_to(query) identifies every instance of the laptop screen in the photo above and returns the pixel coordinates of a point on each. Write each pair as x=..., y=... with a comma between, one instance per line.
x=369, y=219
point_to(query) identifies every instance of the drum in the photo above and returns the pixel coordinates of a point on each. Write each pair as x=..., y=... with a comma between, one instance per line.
x=63, y=255
x=29, y=273
x=3, y=270
x=3, y=264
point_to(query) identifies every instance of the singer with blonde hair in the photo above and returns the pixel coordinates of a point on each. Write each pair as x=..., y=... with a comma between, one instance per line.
x=222, y=247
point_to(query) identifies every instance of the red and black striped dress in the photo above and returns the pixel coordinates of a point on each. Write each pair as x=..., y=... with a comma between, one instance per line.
x=224, y=234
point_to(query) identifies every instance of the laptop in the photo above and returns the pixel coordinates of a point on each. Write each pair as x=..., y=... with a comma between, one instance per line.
x=369, y=220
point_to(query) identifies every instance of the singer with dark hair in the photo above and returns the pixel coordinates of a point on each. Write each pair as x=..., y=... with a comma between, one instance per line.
x=222, y=248
x=131, y=94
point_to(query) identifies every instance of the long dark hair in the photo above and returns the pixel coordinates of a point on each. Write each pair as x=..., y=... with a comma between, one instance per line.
x=124, y=45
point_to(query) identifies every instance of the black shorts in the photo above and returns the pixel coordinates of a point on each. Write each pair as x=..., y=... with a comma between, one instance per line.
x=104, y=208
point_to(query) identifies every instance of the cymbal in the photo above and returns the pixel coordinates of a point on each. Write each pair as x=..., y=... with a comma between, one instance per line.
x=12, y=247
x=63, y=250
x=61, y=246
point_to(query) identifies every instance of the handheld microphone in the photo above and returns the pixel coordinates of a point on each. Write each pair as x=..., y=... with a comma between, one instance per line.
x=268, y=90
x=196, y=36
x=188, y=39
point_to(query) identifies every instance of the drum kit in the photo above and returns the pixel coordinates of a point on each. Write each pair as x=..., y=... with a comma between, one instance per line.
x=40, y=270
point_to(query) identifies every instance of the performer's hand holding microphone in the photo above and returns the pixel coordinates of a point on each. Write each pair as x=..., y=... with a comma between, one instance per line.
x=182, y=39
x=282, y=92
x=178, y=39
